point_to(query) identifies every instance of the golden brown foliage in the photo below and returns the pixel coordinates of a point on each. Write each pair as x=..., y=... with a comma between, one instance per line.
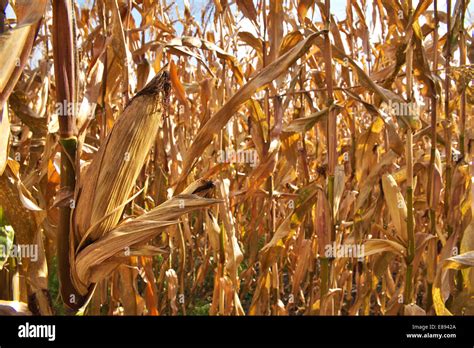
x=239, y=158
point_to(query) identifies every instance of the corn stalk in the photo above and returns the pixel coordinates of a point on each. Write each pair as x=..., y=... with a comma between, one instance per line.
x=448, y=122
x=64, y=64
x=432, y=201
x=331, y=138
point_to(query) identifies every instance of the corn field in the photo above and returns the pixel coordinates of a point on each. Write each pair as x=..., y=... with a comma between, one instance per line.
x=237, y=157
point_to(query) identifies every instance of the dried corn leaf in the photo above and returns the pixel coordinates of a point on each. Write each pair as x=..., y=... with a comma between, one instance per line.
x=221, y=117
x=396, y=205
x=96, y=260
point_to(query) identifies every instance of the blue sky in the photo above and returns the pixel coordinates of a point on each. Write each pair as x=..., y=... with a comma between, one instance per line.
x=338, y=8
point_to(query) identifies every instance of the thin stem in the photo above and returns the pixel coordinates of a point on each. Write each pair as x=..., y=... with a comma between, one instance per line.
x=462, y=47
x=409, y=163
x=432, y=254
x=448, y=124
x=331, y=147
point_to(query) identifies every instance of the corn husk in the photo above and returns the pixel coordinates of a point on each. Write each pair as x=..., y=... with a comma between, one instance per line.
x=105, y=188
x=106, y=185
